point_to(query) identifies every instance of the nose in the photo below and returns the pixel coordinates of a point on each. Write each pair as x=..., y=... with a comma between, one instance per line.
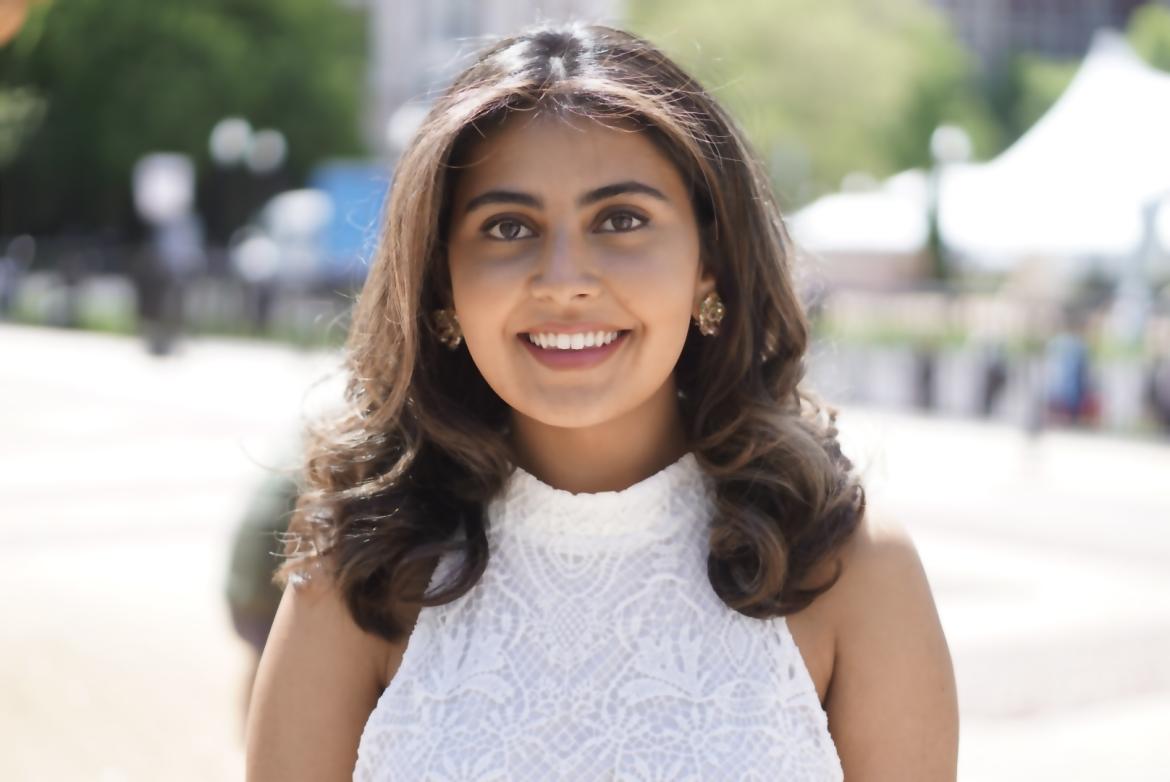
x=565, y=271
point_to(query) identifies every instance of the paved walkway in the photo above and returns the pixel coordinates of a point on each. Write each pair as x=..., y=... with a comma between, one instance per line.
x=1050, y=562
x=121, y=477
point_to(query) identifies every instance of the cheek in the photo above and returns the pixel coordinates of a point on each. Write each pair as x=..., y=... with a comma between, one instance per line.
x=659, y=284
x=482, y=291
x=485, y=297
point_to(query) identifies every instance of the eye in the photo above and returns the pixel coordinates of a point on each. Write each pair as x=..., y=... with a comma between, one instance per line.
x=623, y=222
x=508, y=230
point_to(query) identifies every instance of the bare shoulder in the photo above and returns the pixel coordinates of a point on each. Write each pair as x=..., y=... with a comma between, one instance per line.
x=319, y=678
x=892, y=704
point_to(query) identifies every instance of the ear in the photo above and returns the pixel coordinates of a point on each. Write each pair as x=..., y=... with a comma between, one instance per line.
x=703, y=285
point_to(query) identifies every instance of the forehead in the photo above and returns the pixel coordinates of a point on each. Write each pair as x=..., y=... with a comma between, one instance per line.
x=545, y=153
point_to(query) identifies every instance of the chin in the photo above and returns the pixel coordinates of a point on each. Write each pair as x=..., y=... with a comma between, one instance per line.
x=571, y=419
x=567, y=414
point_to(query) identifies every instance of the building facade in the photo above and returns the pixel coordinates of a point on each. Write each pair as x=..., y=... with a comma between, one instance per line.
x=995, y=29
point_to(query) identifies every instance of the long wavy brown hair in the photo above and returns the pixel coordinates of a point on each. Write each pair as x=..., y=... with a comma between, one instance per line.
x=402, y=473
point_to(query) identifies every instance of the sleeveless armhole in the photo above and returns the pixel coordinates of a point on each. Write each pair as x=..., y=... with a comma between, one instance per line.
x=804, y=692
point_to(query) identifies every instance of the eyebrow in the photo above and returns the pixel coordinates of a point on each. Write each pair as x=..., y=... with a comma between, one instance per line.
x=592, y=197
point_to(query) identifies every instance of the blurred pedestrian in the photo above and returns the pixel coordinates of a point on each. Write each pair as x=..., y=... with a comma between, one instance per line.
x=164, y=271
x=925, y=362
x=251, y=595
x=150, y=288
x=1070, y=394
x=255, y=260
x=14, y=263
x=1157, y=387
x=577, y=519
x=72, y=270
x=995, y=376
x=163, y=188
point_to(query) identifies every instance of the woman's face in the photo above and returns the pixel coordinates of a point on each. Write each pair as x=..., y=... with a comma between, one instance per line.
x=570, y=227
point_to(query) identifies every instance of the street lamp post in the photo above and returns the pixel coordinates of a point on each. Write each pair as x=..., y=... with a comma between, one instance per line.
x=949, y=144
x=242, y=156
x=248, y=162
x=228, y=145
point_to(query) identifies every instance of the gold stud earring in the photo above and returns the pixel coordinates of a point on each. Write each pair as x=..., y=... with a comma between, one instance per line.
x=711, y=312
x=447, y=327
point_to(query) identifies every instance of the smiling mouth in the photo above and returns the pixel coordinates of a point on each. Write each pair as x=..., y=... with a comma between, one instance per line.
x=570, y=343
x=555, y=357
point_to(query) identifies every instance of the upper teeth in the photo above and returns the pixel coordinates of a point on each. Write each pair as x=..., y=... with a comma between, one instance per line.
x=584, y=339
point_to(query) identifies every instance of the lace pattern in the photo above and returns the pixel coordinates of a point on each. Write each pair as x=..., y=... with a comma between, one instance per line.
x=593, y=648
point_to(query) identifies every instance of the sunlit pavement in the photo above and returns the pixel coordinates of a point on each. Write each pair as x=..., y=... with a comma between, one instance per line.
x=1050, y=562
x=121, y=477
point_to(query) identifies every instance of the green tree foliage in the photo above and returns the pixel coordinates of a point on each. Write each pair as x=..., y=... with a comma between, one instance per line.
x=88, y=86
x=825, y=87
x=1027, y=88
x=945, y=88
x=1031, y=83
x=1149, y=32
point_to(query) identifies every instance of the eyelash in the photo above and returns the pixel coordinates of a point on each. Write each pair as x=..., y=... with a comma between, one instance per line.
x=504, y=221
x=625, y=213
x=642, y=221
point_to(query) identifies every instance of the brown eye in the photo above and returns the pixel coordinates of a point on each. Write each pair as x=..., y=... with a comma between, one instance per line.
x=508, y=230
x=622, y=222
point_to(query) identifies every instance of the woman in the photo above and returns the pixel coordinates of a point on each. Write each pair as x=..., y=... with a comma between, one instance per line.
x=577, y=520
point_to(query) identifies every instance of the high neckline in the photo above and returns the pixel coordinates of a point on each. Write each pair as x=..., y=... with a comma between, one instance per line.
x=662, y=501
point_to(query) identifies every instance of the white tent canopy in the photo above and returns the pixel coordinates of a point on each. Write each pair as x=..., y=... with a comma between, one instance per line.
x=1075, y=185
x=1072, y=189
x=886, y=221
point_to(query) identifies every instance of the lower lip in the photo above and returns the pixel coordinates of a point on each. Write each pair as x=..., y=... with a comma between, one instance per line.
x=573, y=359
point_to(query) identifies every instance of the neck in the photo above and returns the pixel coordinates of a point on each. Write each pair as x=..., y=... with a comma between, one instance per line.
x=609, y=456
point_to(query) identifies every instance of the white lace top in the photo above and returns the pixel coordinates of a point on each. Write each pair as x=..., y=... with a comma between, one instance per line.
x=594, y=648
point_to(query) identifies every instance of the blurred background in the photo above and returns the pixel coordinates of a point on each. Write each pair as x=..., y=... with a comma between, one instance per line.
x=979, y=191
